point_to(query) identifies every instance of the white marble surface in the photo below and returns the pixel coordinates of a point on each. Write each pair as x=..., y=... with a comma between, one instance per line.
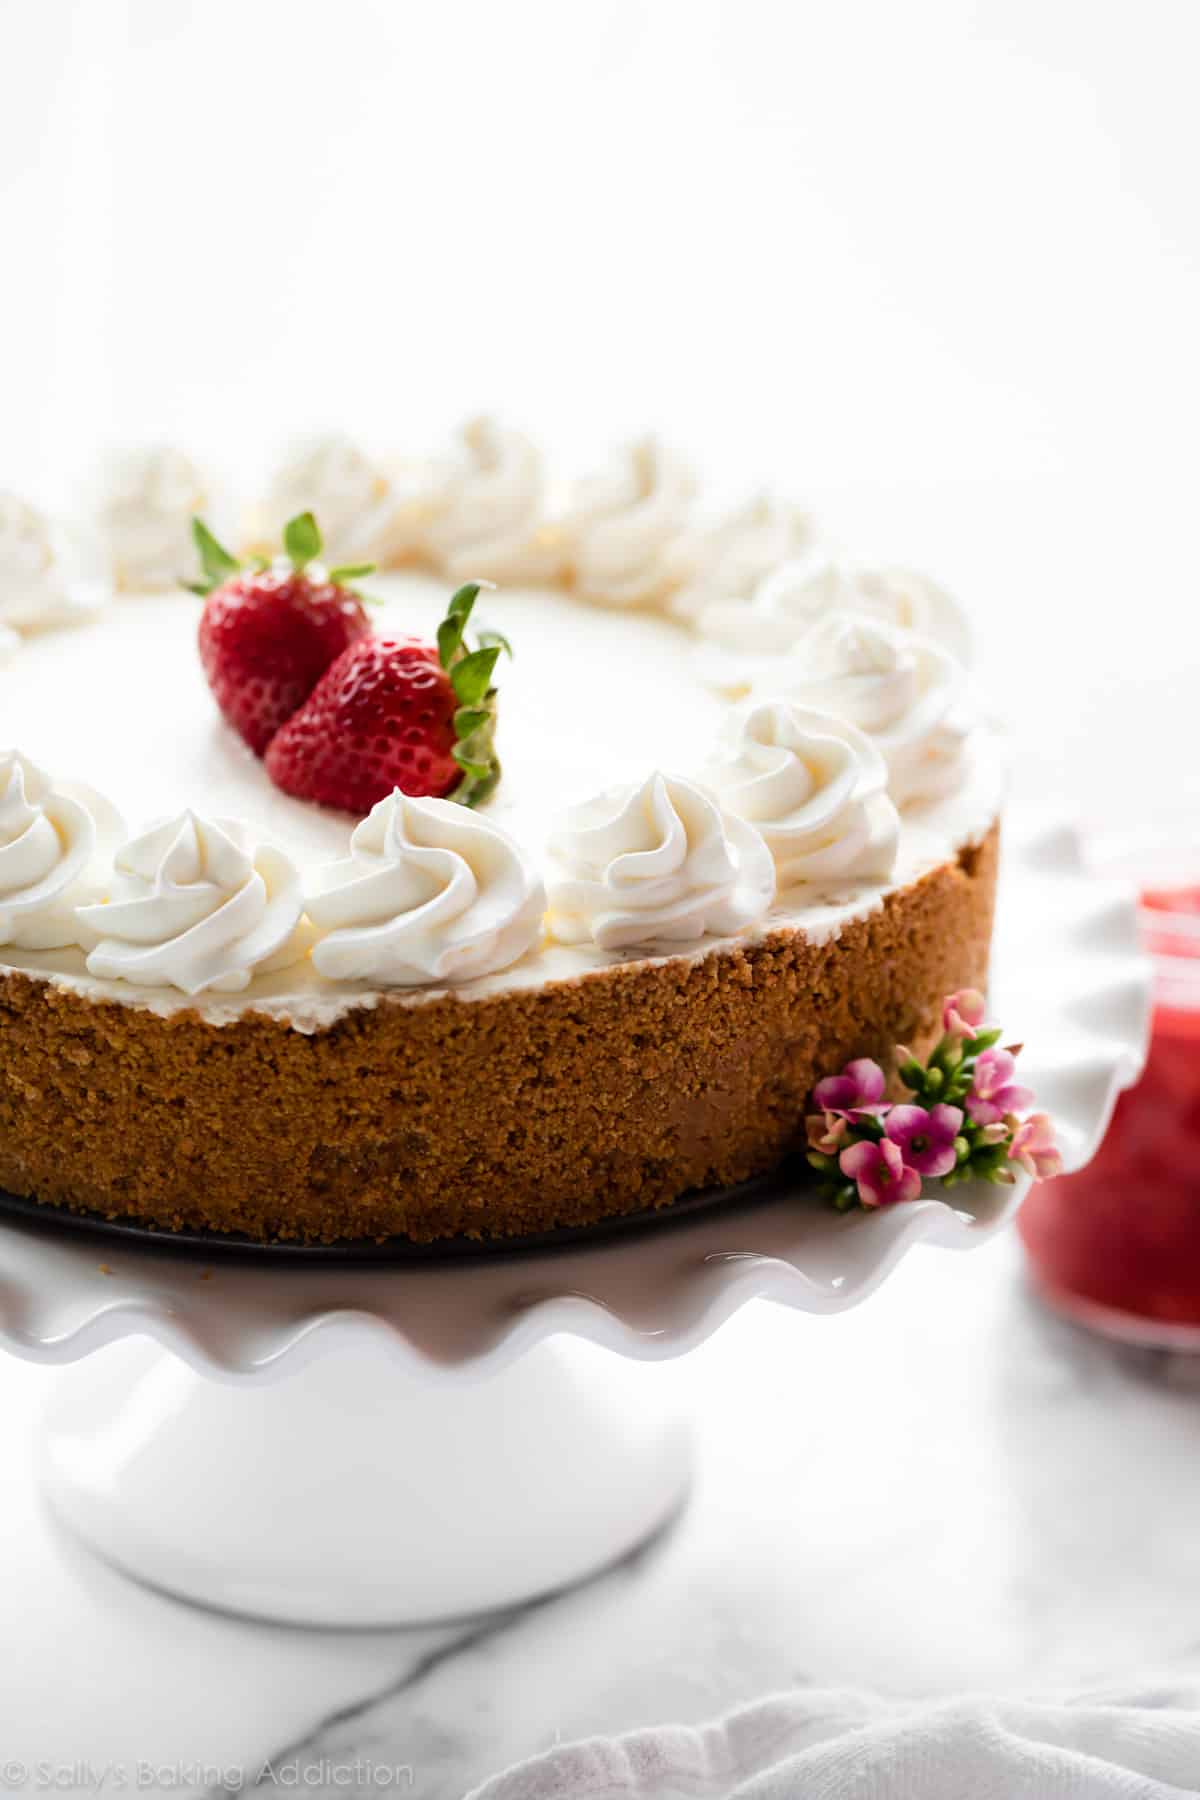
x=944, y=1489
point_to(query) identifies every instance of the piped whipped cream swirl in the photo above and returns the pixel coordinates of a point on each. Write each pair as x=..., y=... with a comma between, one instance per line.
x=904, y=692
x=431, y=892
x=331, y=476
x=815, y=787
x=798, y=594
x=657, y=863
x=48, y=854
x=196, y=904
x=33, y=592
x=488, y=517
x=142, y=502
x=725, y=564
x=627, y=527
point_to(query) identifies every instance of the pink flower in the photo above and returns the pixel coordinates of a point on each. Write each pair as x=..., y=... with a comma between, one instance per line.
x=880, y=1173
x=1034, y=1148
x=858, y=1089
x=962, y=1013
x=994, y=1092
x=926, y=1139
x=826, y=1132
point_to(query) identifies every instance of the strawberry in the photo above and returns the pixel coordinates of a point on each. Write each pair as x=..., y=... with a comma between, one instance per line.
x=268, y=633
x=396, y=712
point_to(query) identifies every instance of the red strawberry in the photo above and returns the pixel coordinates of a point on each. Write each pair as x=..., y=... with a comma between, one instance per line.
x=395, y=712
x=267, y=635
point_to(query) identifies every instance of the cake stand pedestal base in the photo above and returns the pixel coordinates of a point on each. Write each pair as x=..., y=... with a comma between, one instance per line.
x=366, y=1494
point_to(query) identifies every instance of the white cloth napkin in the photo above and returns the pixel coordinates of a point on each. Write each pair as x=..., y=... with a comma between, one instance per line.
x=833, y=1744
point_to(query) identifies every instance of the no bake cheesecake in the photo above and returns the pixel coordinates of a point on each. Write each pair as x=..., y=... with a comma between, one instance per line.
x=743, y=828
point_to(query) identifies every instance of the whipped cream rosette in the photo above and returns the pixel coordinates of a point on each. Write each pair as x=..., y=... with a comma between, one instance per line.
x=724, y=564
x=141, y=502
x=656, y=863
x=797, y=595
x=33, y=588
x=53, y=842
x=627, y=527
x=815, y=787
x=488, y=517
x=332, y=477
x=905, y=692
x=902, y=597
x=197, y=905
x=431, y=892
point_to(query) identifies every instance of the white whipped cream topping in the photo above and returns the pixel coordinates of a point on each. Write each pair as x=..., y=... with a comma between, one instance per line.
x=141, y=503
x=197, y=905
x=32, y=589
x=798, y=594
x=816, y=789
x=627, y=526
x=726, y=563
x=331, y=477
x=10, y=642
x=431, y=892
x=49, y=844
x=903, y=691
x=656, y=863
x=488, y=513
x=912, y=601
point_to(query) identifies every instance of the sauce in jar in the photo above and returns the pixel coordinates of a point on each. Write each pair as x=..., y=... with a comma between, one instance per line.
x=1117, y=1243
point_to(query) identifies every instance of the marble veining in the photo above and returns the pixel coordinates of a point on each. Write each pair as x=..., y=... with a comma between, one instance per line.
x=943, y=1489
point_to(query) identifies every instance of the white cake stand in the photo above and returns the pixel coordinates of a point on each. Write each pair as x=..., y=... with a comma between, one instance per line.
x=485, y=1430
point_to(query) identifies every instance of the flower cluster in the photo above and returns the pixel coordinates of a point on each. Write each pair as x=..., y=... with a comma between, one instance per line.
x=964, y=1120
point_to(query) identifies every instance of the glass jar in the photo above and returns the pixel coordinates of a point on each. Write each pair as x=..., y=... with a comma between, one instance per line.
x=1116, y=1245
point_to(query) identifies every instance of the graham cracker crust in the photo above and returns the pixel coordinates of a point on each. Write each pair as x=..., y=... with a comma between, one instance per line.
x=523, y=1112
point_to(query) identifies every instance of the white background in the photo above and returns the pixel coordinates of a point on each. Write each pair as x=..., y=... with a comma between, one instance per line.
x=934, y=266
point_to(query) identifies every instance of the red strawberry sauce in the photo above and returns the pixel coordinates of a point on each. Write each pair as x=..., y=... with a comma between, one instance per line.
x=1123, y=1234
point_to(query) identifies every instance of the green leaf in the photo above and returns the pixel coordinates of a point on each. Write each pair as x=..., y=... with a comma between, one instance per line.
x=472, y=677
x=301, y=540
x=449, y=638
x=983, y=1040
x=462, y=602
x=348, y=572
x=203, y=588
x=488, y=638
x=472, y=790
x=469, y=764
x=215, y=559
x=468, y=719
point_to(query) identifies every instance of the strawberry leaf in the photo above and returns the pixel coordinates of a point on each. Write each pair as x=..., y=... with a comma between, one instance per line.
x=462, y=602
x=498, y=638
x=217, y=563
x=470, y=673
x=472, y=677
x=345, y=573
x=477, y=783
x=468, y=764
x=449, y=640
x=301, y=540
